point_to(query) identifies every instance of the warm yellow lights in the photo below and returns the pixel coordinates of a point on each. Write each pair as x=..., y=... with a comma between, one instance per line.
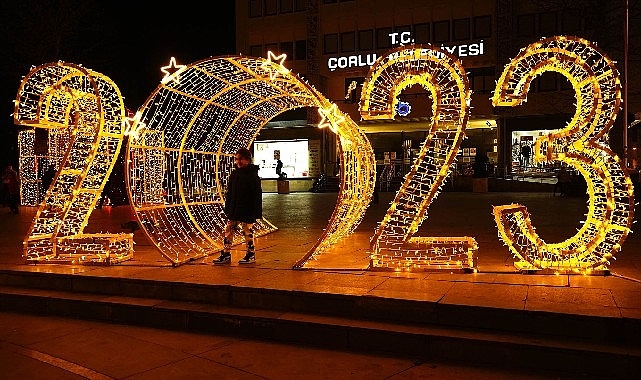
x=331, y=117
x=63, y=98
x=582, y=144
x=274, y=65
x=171, y=71
x=179, y=165
x=393, y=245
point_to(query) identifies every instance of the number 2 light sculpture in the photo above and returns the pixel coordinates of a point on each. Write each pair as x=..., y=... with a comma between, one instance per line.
x=393, y=245
x=582, y=144
x=61, y=96
x=187, y=133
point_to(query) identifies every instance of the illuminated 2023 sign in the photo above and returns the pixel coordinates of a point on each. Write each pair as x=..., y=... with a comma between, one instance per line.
x=183, y=139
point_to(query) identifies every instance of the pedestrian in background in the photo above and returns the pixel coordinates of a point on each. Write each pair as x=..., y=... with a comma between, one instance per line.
x=243, y=206
x=11, y=181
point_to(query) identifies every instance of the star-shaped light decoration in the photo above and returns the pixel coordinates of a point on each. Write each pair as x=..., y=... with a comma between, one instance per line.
x=133, y=126
x=330, y=117
x=269, y=66
x=171, y=71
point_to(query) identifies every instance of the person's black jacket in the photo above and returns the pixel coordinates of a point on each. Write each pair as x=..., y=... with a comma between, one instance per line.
x=244, y=197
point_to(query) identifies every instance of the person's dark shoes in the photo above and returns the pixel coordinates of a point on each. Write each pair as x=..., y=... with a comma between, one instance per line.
x=249, y=258
x=224, y=258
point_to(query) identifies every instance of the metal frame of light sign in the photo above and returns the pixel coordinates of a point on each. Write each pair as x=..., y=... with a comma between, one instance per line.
x=394, y=246
x=582, y=144
x=187, y=133
x=62, y=96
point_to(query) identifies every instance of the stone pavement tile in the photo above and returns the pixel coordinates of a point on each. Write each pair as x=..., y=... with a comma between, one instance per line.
x=194, y=368
x=278, y=361
x=26, y=329
x=603, y=282
x=19, y=366
x=582, y=301
x=531, y=279
x=352, y=280
x=629, y=299
x=412, y=289
x=488, y=295
x=109, y=353
x=458, y=371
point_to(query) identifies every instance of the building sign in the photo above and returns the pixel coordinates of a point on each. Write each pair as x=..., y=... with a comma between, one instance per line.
x=368, y=59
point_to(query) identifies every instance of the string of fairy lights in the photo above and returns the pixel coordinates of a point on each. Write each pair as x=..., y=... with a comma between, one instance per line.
x=582, y=144
x=394, y=245
x=67, y=97
x=186, y=136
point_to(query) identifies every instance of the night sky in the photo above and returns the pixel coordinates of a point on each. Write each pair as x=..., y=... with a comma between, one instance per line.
x=126, y=41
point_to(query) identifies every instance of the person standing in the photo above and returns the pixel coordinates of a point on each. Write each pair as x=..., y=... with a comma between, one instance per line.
x=12, y=182
x=243, y=205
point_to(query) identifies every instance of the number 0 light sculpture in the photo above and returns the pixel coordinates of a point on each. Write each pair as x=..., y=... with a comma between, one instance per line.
x=63, y=96
x=583, y=144
x=393, y=245
x=185, y=138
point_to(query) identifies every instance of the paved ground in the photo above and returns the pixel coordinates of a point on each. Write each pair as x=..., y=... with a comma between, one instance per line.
x=62, y=347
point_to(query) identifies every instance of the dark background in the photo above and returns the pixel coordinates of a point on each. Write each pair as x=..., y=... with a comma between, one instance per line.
x=128, y=41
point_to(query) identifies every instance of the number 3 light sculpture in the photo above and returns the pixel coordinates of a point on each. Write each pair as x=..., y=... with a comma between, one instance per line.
x=583, y=144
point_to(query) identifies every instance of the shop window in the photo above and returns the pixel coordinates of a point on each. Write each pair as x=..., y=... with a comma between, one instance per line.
x=301, y=5
x=483, y=27
x=256, y=51
x=286, y=6
x=300, y=50
x=442, y=31
x=353, y=88
x=287, y=48
x=330, y=43
x=366, y=39
x=547, y=24
x=383, y=39
x=461, y=29
x=348, y=43
x=571, y=22
x=422, y=33
x=271, y=7
x=255, y=9
x=525, y=25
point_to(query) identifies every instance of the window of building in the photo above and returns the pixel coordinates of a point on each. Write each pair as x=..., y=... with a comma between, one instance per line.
x=301, y=5
x=255, y=9
x=422, y=33
x=271, y=47
x=271, y=7
x=366, y=39
x=547, y=82
x=442, y=31
x=300, y=50
x=547, y=24
x=348, y=42
x=571, y=21
x=461, y=29
x=482, y=79
x=330, y=45
x=287, y=48
x=382, y=38
x=256, y=51
x=353, y=91
x=286, y=6
x=330, y=1
x=483, y=27
x=525, y=25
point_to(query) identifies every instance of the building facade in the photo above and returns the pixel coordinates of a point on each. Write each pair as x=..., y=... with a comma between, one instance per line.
x=333, y=43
